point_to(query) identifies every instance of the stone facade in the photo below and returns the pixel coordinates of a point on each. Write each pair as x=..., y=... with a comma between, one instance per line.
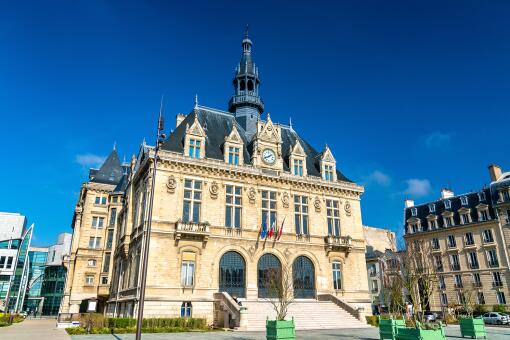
x=469, y=238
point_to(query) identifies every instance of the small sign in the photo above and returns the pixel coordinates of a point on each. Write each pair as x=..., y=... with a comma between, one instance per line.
x=92, y=306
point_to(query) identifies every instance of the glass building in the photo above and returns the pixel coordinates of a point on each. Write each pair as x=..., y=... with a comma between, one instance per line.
x=37, y=258
x=53, y=289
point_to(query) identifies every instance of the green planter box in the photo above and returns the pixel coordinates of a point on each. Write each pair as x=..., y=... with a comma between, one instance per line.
x=280, y=329
x=473, y=327
x=405, y=333
x=388, y=328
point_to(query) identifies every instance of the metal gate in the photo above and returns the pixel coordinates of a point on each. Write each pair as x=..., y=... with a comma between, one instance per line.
x=269, y=271
x=303, y=274
x=232, y=274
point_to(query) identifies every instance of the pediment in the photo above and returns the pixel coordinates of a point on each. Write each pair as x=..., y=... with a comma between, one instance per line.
x=327, y=156
x=195, y=129
x=297, y=149
x=269, y=132
x=431, y=217
x=234, y=136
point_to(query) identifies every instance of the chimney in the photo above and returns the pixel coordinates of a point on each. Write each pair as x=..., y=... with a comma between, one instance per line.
x=409, y=203
x=446, y=193
x=179, y=118
x=495, y=172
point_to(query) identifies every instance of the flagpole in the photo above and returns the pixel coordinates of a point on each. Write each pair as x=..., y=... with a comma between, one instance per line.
x=160, y=137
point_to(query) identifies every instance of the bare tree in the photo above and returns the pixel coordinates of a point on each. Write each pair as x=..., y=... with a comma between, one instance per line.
x=392, y=287
x=278, y=282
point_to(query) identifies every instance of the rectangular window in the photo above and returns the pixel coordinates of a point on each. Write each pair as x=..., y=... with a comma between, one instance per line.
x=301, y=214
x=97, y=222
x=375, y=286
x=438, y=263
x=298, y=167
x=464, y=200
x=454, y=262
x=481, y=196
x=269, y=208
x=233, y=207
x=480, y=298
x=192, y=200
x=444, y=299
x=328, y=173
x=496, y=279
x=91, y=263
x=492, y=258
x=500, y=297
x=487, y=236
x=104, y=280
x=89, y=280
x=337, y=275
x=100, y=200
x=506, y=196
x=194, y=148
x=465, y=219
x=452, y=243
x=433, y=224
x=106, y=262
x=484, y=215
x=186, y=308
x=109, y=239
x=477, y=282
x=447, y=204
x=448, y=221
x=458, y=281
x=432, y=207
x=187, y=273
x=473, y=260
x=233, y=155
x=469, y=239
x=461, y=298
x=414, y=212
x=435, y=243
x=441, y=282
x=9, y=262
x=94, y=242
x=113, y=216
x=333, y=214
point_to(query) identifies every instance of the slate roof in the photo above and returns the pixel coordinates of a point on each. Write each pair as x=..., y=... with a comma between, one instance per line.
x=218, y=125
x=496, y=186
x=111, y=172
x=423, y=211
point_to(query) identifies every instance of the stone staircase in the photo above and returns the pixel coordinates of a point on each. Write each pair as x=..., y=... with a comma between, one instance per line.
x=308, y=314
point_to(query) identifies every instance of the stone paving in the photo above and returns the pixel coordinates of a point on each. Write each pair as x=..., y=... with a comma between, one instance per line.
x=372, y=333
x=33, y=329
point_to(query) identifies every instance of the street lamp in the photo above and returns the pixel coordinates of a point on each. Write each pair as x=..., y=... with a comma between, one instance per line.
x=160, y=137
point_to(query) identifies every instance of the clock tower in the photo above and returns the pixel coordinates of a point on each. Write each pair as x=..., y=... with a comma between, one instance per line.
x=267, y=146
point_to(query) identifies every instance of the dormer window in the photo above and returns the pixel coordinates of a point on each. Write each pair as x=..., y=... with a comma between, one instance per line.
x=464, y=200
x=481, y=196
x=447, y=204
x=432, y=207
x=414, y=211
x=432, y=224
x=505, y=196
x=448, y=221
x=194, y=148
x=466, y=218
x=483, y=215
x=328, y=173
x=298, y=167
x=233, y=155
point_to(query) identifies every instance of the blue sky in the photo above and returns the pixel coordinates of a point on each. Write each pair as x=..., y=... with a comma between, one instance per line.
x=410, y=96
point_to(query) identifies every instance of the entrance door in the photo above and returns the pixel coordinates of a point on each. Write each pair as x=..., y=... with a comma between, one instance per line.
x=303, y=275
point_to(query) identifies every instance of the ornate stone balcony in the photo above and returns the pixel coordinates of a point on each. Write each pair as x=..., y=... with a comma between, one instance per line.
x=195, y=231
x=338, y=243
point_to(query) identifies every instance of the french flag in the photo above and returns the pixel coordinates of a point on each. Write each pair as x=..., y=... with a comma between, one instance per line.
x=271, y=230
x=264, y=230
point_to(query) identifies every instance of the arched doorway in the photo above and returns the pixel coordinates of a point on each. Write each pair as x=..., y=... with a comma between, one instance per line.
x=232, y=274
x=269, y=272
x=303, y=277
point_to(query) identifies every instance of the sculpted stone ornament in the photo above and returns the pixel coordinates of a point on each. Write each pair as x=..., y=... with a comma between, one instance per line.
x=214, y=189
x=317, y=204
x=285, y=200
x=251, y=195
x=171, y=184
x=348, y=208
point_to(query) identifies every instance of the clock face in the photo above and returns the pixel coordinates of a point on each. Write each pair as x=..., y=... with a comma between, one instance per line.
x=268, y=156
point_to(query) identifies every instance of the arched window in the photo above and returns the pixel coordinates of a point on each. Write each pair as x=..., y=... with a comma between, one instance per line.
x=303, y=276
x=232, y=274
x=269, y=271
x=243, y=85
x=337, y=275
x=250, y=85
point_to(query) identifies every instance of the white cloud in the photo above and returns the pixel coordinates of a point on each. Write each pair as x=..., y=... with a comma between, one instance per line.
x=90, y=160
x=418, y=187
x=378, y=177
x=437, y=140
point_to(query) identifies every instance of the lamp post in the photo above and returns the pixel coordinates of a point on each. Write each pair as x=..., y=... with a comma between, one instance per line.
x=160, y=137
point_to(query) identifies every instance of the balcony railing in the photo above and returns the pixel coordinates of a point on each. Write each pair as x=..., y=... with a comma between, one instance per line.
x=192, y=231
x=338, y=243
x=493, y=264
x=474, y=266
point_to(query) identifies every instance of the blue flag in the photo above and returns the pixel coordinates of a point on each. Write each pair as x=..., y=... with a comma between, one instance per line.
x=264, y=230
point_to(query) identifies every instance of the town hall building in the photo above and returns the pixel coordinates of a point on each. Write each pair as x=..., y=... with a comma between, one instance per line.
x=237, y=197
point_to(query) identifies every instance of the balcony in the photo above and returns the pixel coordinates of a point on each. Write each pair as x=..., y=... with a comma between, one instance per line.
x=249, y=97
x=474, y=266
x=192, y=231
x=469, y=245
x=338, y=243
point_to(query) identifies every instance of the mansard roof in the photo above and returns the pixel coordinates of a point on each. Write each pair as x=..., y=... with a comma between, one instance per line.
x=111, y=172
x=422, y=210
x=218, y=125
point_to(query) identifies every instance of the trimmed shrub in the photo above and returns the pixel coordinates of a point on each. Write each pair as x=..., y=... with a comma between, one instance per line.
x=499, y=308
x=372, y=320
x=76, y=330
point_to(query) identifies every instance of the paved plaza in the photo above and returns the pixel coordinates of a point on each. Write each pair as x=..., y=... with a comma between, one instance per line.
x=45, y=330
